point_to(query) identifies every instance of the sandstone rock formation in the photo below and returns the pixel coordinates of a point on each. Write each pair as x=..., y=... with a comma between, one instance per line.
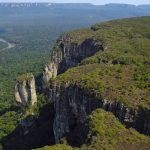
x=72, y=105
x=73, y=102
x=50, y=71
x=71, y=54
x=67, y=54
x=25, y=91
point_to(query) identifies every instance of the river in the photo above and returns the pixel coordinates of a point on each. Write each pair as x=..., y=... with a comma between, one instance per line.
x=9, y=45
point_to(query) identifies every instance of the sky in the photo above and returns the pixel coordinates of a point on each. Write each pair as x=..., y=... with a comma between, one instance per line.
x=97, y=2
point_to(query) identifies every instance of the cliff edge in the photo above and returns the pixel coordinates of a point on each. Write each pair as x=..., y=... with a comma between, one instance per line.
x=112, y=78
x=101, y=73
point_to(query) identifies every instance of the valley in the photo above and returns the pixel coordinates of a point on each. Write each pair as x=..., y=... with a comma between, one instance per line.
x=112, y=80
x=83, y=98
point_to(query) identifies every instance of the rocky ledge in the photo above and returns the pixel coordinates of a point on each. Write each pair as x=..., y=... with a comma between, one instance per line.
x=73, y=103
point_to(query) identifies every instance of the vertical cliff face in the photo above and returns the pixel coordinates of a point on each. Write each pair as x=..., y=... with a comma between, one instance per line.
x=50, y=71
x=67, y=54
x=25, y=91
x=73, y=104
x=72, y=54
x=74, y=95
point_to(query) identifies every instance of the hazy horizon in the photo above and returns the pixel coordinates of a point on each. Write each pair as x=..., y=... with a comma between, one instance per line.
x=96, y=2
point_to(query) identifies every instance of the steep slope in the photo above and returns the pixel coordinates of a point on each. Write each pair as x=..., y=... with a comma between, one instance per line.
x=33, y=40
x=106, y=132
x=116, y=78
x=107, y=67
x=112, y=79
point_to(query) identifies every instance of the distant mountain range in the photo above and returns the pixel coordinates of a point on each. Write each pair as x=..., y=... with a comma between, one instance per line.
x=108, y=11
x=68, y=15
x=68, y=4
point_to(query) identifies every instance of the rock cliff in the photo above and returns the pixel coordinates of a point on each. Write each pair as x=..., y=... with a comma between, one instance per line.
x=67, y=54
x=72, y=54
x=120, y=88
x=73, y=104
x=50, y=71
x=25, y=91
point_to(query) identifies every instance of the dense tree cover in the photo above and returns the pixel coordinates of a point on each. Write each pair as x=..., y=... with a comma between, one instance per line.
x=119, y=73
x=8, y=122
x=2, y=45
x=112, y=82
x=122, y=71
x=33, y=36
x=34, y=33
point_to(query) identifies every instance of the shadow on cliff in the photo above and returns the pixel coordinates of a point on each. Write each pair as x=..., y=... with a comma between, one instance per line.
x=32, y=132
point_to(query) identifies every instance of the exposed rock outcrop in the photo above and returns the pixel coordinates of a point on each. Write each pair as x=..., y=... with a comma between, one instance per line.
x=67, y=54
x=72, y=105
x=73, y=53
x=70, y=102
x=50, y=71
x=25, y=91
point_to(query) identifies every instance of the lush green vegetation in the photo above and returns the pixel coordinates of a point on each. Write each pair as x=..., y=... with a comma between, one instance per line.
x=2, y=45
x=111, y=82
x=33, y=31
x=35, y=109
x=8, y=123
x=126, y=43
x=122, y=71
x=119, y=73
x=57, y=147
x=25, y=77
x=107, y=133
